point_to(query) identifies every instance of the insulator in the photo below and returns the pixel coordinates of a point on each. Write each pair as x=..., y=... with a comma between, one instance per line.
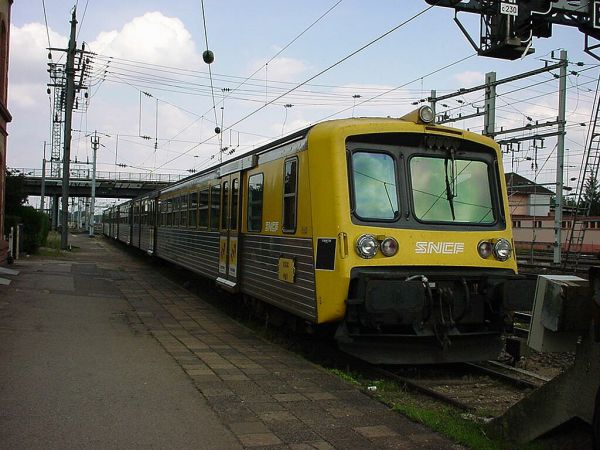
x=208, y=57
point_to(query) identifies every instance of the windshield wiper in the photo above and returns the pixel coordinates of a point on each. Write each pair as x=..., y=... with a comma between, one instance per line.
x=449, y=191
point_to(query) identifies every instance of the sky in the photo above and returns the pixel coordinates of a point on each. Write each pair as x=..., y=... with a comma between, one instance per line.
x=278, y=66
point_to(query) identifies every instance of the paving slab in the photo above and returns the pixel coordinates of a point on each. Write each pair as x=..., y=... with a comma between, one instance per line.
x=103, y=351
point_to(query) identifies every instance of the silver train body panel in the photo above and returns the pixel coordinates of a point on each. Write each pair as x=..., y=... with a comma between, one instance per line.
x=196, y=250
x=259, y=264
x=123, y=233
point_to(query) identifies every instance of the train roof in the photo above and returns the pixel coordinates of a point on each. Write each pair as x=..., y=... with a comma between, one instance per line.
x=245, y=160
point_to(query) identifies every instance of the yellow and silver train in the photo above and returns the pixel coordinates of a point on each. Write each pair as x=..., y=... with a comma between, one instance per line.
x=396, y=231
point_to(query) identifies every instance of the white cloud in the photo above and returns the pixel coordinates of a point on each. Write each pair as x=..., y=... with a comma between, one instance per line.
x=280, y=69
x=470, y=78
x=152, y=38
x=29, y=54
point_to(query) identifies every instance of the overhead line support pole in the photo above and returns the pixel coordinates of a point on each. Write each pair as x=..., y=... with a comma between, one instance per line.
x=70, y=99
x=43, y=192
x=562, y=100
x=95, y=144
x=490, y=104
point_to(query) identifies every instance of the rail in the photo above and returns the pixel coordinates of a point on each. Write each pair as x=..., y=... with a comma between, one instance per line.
x=86, y=174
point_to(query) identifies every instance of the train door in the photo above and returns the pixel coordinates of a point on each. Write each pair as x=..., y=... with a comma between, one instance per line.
x=229, y=234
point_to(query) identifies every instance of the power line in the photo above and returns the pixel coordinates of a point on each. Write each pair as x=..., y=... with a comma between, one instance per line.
x=212, y=90
x=82, y=18
x=46, y=22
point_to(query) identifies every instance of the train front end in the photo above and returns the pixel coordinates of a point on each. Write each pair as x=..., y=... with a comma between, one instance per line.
x=414, y=249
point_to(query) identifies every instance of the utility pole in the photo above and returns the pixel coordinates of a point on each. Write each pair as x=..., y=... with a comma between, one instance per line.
x=490, y=104
x=70, y=99
x=560, y=156
x=95, y=144
x=43, y=193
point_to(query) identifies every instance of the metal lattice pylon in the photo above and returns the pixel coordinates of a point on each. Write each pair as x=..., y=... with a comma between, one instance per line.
x=57, y=74
x=588, y=171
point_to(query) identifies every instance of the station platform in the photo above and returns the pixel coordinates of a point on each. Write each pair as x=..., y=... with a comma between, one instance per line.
x=100, y=350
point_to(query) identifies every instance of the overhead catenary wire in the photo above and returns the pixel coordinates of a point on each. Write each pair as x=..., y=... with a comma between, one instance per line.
x=335, y=64
x=46, y=22
x=212, y=89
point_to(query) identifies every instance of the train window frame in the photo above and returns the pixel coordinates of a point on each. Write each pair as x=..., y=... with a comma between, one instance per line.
x=235, y=204
x=494, y=194
x=351, y=180
x=184, y=208
x=170, y=212
x=225, y=215
x=176, y=211
x=215, y=207
x=193, y=198
x=204, y=212
x=294, y=195
x=250, y=204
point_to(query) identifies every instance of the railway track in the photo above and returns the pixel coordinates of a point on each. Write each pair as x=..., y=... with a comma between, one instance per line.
x=484, y=389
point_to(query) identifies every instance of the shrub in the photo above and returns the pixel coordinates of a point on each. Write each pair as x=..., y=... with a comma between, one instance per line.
x=35, y=227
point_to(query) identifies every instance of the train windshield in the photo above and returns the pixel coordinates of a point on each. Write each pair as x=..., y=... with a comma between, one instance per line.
x=375, y=191
x=451, y=190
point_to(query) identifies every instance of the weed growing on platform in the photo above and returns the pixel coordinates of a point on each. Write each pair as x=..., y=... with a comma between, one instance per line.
x=441, y=418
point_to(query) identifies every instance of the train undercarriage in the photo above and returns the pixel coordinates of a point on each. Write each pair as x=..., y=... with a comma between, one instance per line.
x=427, y=316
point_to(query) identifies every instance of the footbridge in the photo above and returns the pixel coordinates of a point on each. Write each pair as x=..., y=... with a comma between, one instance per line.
x=108, y=184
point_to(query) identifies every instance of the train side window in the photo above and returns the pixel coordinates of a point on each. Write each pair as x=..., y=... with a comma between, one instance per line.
x=215, y=206
x=225, y=206
x=170, y=212
x=193, y=211
x=235, y=191
x=176, y=213
x=290, y=191
x=184, y=211
x=255, y=202
x=203, y=209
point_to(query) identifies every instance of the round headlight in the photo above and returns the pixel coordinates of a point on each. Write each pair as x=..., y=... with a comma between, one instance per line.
x=426, y=114
x=484, y=248
x=367, y=246
x=502, y=250
x=389, y=246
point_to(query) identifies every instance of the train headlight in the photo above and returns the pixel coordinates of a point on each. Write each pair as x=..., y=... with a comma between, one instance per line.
x=485, y=248
x=502, y=249
x=367, y=246
x=389, y=246
x=426, y=114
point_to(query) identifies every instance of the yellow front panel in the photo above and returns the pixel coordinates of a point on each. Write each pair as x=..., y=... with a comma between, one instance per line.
x=331, y=216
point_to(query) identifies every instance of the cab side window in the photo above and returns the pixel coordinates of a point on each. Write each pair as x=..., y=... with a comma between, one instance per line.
x=290, y=195
x=255, y=202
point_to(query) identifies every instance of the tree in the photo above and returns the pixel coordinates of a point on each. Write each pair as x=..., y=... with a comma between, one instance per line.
x=35, y=223
x=14, y=196
x=591, y=196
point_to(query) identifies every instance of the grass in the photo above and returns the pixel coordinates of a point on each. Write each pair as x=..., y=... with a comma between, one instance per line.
x=52, y=247
x=53, y=240
x=443, y=419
